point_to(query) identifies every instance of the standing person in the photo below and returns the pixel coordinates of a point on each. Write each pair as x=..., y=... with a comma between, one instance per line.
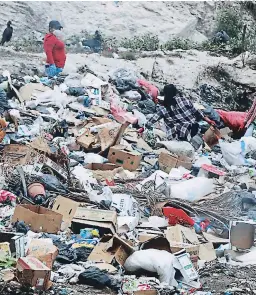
x=179, y=115
x=54, y=48
x=7, y=34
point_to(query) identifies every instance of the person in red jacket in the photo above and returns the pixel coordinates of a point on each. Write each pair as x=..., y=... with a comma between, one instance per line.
x=54, y=48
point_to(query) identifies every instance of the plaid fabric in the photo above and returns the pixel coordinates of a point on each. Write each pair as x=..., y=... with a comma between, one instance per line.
x=178, y=118
x=251, y=115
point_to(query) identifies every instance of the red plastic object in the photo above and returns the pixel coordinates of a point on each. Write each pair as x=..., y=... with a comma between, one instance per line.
x=213, y=169
x=177, y=216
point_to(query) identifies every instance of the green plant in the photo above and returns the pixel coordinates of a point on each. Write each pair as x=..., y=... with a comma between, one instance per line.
x=178, y=43
x=145, y=42
x=128, y=55
x=229, y=20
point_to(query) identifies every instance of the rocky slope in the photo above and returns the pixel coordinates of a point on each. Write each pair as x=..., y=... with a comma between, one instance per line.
x=165, y=19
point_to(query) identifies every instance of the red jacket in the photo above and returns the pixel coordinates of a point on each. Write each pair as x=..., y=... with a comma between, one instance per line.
x=54, y=50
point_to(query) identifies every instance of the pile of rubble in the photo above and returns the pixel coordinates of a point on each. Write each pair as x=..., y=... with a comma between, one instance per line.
x=86, y=199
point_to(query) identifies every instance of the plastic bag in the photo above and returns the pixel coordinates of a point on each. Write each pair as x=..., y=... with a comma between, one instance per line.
x=157, y=261
x=52, y=183
x=93, y=276
x=94, y=158
x=234, y=152
x=73, y=80
x=122, y=116
x=96, y=196
x=193, y=189
x=142, y=120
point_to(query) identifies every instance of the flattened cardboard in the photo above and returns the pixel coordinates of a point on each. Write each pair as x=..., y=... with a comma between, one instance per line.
x=104, y=220
x=39, y=218
x=107, y=136
x=215, y=239
x=27, y=91
x=16, y=154
x=86, y=140
x=41, y=144
x=30, y=271
x=111, y=249
x=146, y=237
x=181, y=234
x=207, y=252
x=67, y=208
x=121, y=157
x=56, y=168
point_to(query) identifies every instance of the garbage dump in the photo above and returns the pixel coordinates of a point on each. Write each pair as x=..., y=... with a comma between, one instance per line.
x=90, y=195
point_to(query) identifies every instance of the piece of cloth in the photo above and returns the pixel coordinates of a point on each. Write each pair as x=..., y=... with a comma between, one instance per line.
x=150, y=89
x=179, y=118
x=5, y=195
x=251, y=115
x=52, y=71
x=233, y=120
x=54, y=50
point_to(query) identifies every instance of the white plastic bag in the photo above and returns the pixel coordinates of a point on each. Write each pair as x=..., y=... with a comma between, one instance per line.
x=106, y=195
x=126, y=205
x=94, y=158
x=158, y=261
x=234, y=152
x=142, y=120
x=192, y=189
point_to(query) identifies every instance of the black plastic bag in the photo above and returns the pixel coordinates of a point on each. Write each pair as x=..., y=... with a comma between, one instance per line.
x=93, y=276
x=52, y=183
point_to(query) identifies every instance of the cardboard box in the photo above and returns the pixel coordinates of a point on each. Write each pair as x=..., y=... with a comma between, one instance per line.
x=67, y=208
x=17, y=243
x=167, y=161
x=43, y=250
x=183, y=263
x=104, y=220
x=241, y=234
x=111, y=249
x=102, y=167
x=38, y=218
x=30, y=271
x=121, y=157
x=5, y=249
x=192, y=250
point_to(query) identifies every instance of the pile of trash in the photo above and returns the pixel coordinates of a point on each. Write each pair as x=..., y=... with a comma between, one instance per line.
x=87, y=199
